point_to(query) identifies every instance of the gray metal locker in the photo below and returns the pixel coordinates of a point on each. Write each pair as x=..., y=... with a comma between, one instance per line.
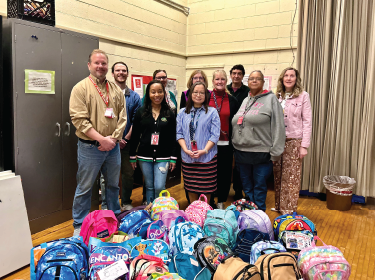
x=39, y=139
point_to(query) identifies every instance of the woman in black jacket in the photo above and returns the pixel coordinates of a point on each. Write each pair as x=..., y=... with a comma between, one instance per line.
x=154, y=134
x=227, y=106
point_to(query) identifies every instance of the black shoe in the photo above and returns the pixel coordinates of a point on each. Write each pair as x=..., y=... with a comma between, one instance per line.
x=237, y=196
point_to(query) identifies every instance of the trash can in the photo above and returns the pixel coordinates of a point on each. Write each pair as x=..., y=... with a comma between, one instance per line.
x=339, y=192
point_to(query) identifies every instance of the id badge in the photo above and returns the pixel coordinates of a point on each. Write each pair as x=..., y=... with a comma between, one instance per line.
x=109, y=113
x=240, y=120
x=194, y=146
x=155, y=139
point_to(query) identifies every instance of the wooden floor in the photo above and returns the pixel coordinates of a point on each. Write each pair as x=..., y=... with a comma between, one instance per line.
x=353, y=232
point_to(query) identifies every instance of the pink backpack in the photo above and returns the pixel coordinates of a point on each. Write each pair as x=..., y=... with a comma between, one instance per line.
x=99, y=223
x=169, y=216
x=323, y=262
x=197, y=211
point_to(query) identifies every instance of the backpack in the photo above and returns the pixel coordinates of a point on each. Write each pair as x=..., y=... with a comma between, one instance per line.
x=255, y=219
x=99, y=223
x=265, y=247
x=323, y=262
x=151, y=247
x=163, y=203
x=245, y=239
x=197, y=211
x=132, y=223
x=243, y=204
x=278, y=266
x=210, y=251
x=120, y=216
x=223, y=224
x=143, y=266
x=165, y=276
x=62, y=259
x=188, y=267
x=157, y=230
x=169, y=216
x=234, y=268
x=292, y=222
x=183, y=235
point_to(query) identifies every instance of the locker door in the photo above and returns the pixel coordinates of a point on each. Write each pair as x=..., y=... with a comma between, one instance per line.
x=38, y=141
x=75, y=53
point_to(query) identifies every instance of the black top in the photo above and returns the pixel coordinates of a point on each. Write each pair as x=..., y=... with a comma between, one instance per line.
x=143, y=128
x=233, y=107
x=240, y=93
x=251, y=157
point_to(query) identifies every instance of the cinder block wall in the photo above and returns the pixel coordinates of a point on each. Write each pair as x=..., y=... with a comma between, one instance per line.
x=145, y=34
x=255, y=33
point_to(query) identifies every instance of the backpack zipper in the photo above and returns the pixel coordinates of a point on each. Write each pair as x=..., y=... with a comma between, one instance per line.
x=285, y=255
x=244, y=270
x=58, y=276
x=60, y=260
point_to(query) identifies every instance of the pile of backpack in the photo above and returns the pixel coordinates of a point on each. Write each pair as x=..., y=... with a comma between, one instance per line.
x=163, y=242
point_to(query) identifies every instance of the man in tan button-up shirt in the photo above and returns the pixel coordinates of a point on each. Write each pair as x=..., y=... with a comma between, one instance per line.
x=98, y=111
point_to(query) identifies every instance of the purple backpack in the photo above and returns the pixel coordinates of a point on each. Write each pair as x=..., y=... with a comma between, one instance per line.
x=169, y=216
x=257, y=220
x=157, y=230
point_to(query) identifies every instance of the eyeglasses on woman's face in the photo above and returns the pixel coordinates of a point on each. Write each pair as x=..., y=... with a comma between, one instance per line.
x=255, y=79
x=198, y=93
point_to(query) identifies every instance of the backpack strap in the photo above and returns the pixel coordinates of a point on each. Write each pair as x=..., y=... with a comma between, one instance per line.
x=205, y=197
x=317, y=238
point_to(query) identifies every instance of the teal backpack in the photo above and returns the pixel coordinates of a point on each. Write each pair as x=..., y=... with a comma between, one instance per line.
x=223, y=224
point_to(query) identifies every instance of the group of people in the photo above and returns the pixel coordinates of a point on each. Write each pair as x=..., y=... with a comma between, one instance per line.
x=264, y=132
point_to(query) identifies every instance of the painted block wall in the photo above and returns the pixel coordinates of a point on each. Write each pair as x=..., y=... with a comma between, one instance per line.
x=222, y=33
x=146, y=34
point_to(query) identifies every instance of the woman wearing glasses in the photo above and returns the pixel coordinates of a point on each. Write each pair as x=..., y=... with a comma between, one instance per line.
x=196, y=76
x=198, y=130
x=161, y=75
x=258, y=138
x=226, y=106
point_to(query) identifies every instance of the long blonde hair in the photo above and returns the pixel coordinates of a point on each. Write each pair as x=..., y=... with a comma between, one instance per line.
x=222, y=72
x=195, y=72
x=298, y=88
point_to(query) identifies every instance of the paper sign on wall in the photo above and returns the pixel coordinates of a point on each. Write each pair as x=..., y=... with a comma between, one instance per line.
x=138, y=85
x=39, y=81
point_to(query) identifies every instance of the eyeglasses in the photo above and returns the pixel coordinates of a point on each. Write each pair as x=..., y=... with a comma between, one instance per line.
x=161, y=78
x=255, y=79
x=198, y=78
x=198, y=93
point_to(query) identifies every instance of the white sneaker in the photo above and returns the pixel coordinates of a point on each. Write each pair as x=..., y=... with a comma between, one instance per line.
x=221, y=206
x=77, y=231
x=105, y=207
x=274, y=209
x=126, y=207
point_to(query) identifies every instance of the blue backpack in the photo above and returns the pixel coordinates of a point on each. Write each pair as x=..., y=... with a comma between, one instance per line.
x=134, y=222
x=188, y=267
x=265, y=247
x=245, y=239
x=63, y=259
x=223, y=224
x=183, y=235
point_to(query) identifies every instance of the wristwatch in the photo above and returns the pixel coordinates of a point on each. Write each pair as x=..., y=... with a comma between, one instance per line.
x=206, y=151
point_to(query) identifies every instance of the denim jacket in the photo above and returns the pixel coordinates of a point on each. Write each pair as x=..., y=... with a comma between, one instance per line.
x=133, y=103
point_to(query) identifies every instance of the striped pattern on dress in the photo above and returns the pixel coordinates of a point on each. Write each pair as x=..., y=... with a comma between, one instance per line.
x=200, y=177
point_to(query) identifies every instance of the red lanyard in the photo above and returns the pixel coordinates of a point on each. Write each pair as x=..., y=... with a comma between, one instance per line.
x=106, y=101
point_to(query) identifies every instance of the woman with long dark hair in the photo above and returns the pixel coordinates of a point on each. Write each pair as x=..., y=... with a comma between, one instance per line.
x=198, y=130
x=154, y=134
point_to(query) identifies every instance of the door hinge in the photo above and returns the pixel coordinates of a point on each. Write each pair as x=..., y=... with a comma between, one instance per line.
x=18, y=150
x=15, y=38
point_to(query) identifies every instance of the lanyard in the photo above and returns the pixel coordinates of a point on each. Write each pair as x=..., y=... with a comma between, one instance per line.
x=222, y=101
x=106, y=101
x=193, y=128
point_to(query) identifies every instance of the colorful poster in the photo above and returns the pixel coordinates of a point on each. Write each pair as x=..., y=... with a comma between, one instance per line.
x=140, y=82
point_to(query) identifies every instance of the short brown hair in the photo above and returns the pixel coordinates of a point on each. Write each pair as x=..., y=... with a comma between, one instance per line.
x=158, y=71
x=195, y=72
x=97, y=51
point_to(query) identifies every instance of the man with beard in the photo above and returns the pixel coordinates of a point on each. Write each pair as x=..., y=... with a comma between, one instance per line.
x=97, y=109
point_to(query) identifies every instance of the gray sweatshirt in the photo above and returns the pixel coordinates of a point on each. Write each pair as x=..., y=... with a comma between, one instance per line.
x=263, y=126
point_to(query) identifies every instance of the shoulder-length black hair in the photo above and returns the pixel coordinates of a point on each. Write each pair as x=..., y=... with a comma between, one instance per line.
x=190, y=103
x=164, y=111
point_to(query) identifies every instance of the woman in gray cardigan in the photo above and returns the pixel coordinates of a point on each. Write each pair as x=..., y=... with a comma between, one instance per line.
x=258, y=138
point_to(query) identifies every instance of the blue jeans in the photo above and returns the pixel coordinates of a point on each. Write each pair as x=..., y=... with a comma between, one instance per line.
x=90, y=162
x=253, y=178
x=155, y=175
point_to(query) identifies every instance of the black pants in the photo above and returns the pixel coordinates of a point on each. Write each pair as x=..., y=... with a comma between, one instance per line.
x=224, y=171
x=237, y=184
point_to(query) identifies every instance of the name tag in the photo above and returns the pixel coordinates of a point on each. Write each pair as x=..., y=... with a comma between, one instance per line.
x=155, y=139
x=194, y=146
x=109, y=113
x=240, y=120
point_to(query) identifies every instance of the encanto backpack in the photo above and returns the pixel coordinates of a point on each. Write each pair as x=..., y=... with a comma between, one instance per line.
x=163, y=203
x=197, y=210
